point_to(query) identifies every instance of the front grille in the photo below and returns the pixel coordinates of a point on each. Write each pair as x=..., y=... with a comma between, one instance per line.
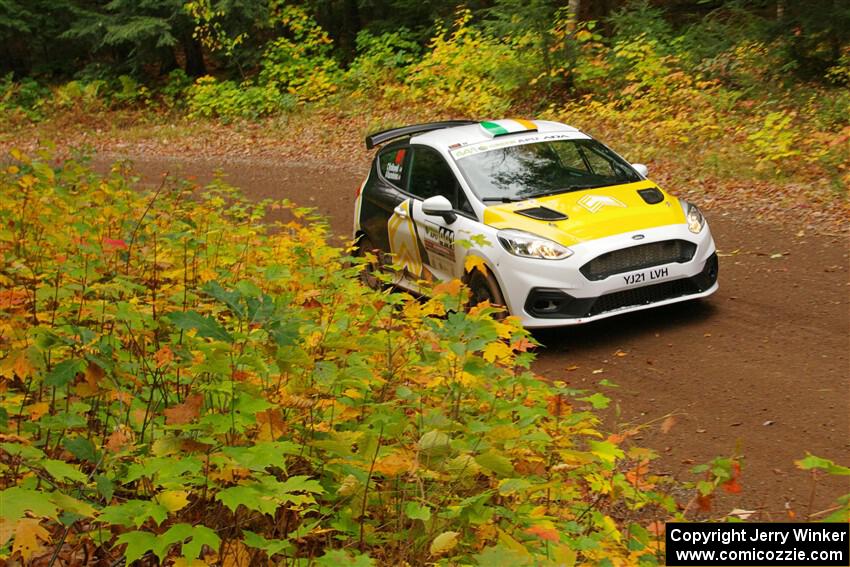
x=642, y=296
x=638, y=258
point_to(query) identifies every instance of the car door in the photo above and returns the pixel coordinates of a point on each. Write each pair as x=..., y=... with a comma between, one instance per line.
x=437, y=239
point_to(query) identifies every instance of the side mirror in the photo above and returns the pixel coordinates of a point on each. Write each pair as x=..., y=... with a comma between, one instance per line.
x=439, y=206
x=641, y=169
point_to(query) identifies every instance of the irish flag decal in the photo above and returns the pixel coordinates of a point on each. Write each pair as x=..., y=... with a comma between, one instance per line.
x=502, y=127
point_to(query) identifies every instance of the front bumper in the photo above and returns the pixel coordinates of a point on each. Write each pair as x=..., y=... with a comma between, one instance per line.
x=547, y=293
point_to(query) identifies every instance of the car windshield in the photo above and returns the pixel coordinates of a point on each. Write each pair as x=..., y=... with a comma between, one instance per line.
x=520, y=172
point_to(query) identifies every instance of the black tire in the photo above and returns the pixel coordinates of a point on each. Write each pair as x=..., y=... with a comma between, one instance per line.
x=484, y=287
x=369, y=274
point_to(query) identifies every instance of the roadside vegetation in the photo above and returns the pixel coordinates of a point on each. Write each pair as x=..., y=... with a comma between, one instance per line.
x=182, y=382
x=718, y=95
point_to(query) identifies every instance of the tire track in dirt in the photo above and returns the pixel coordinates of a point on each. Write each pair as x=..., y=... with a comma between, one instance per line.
x=761, y=368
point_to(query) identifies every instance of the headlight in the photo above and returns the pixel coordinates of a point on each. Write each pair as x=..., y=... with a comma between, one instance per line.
x=694, y=218
x=527, y=245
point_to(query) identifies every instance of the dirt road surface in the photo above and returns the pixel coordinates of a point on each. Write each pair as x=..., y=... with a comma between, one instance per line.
x=759, y=369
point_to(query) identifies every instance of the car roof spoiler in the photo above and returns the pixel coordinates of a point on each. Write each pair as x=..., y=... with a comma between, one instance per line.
x=379, y=138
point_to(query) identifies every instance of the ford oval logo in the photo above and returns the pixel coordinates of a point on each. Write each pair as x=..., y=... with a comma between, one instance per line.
x=637, y=237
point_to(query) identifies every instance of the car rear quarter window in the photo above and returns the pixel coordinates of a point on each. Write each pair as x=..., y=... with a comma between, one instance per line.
x=393, y=165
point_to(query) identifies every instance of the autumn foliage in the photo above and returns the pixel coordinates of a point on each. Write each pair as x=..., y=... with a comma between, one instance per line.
x=182, y=383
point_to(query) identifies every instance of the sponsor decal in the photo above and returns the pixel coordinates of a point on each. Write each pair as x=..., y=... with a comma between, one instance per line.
x=439, y=240
x=595, y=203
x=472, y=150
x=394, y=168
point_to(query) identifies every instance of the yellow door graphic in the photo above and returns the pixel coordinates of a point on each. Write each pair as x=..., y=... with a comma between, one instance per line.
x=403, y=243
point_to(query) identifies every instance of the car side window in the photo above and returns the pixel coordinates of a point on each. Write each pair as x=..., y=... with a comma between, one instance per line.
x=430, y=175
x=393, y=164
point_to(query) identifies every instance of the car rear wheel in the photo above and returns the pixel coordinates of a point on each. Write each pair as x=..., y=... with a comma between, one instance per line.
x=369, y=274
x=484, y=287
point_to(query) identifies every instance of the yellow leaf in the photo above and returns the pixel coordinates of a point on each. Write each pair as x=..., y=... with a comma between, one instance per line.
x=443, y=543
x=28, y=532
x=497, y=350
x=173, y=500
x=473, y=262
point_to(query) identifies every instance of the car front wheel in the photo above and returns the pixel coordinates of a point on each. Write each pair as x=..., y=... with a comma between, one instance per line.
x=484, y=287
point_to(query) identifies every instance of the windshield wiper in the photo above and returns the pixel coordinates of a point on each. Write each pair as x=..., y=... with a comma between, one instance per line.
x=502, y=199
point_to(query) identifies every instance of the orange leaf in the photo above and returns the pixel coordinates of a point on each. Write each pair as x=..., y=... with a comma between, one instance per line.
x=163, y=356
x=271, y=424
x=28, y=532
x=732, y=486
x=235, y=554
x=119, y=438
x=548, y=534
x=185, y=412
x=522, y=345
x=656, y=528
x=394, y=464
x=668, y=424
x=449, y=288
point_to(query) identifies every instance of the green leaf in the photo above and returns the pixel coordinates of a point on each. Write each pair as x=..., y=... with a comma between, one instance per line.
x=206, y=326
x=198, y=537
x=435, y=443
x=270, y=546
x=71, y=504
x=62, y=471
x=63, y=373
x=443, y=543
x=813, y=462
x=105, y=487
x=249, y=496
x=337, y=557
x=138, y=543
x=416, y=511
x=81, y=448
x=496, y=463
x=262, y=455
x=133, y=513
x=512, y=485
x=16, y=501
x=597, y=400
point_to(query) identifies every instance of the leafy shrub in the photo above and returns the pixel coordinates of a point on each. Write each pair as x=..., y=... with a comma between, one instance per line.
x=25, y=98
x=382, y=61
x=468, y=71
x=300, y=62
x=181, y=381
x=209, y=97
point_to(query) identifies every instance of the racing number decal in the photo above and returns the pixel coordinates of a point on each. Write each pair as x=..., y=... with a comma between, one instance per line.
x=439, y=240
x=402, y=241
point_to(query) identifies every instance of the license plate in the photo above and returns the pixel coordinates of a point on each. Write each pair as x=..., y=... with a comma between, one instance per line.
x=646, y=276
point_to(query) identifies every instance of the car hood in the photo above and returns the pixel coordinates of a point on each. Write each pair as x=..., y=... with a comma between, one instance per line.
x=591, y=213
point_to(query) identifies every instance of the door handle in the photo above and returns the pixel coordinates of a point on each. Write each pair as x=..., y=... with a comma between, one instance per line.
x=400, y=211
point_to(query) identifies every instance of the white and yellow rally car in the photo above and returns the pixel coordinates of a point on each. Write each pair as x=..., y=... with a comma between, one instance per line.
x=569, y=231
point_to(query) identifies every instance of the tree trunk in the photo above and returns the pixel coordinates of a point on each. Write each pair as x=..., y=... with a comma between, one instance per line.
x=195, y=66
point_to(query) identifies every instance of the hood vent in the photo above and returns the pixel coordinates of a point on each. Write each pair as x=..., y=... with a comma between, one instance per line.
x=542, y=213
x=652, y=196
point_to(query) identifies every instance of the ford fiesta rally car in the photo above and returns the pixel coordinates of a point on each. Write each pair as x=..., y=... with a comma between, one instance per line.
x=570, y=232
